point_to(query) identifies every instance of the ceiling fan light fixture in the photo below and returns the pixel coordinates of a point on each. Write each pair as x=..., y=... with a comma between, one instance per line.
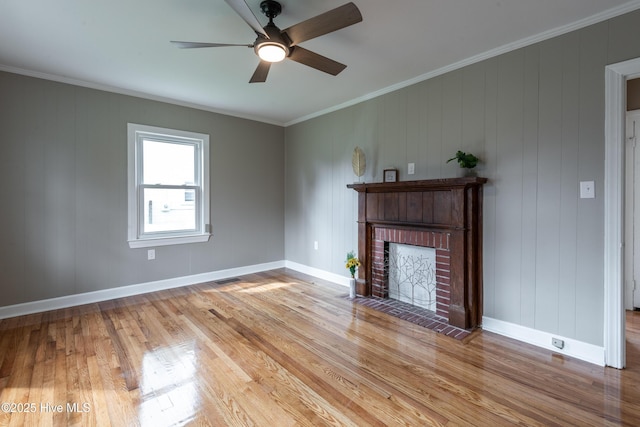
x=271, y=52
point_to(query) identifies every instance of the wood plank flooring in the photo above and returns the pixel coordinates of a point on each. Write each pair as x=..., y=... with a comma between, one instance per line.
x=282, y=349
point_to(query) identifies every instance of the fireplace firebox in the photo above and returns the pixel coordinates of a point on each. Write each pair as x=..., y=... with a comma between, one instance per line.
x=444, y=214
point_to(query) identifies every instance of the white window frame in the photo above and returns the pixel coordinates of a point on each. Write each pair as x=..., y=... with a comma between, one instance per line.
x=136, y=238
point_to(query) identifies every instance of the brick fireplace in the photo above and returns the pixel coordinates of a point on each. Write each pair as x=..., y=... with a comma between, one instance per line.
x=444, y=214
x=428, y=239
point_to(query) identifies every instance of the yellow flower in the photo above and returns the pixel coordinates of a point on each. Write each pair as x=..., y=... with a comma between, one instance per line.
x=353, y=262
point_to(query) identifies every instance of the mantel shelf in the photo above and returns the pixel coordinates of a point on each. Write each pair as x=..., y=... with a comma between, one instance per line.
x=421, y=185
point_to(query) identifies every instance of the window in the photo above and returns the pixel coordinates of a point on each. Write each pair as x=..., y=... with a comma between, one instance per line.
x=168, y=186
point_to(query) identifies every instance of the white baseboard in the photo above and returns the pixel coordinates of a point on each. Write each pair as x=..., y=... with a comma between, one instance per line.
x=125, y=291
x=316, y=272
x=578, y=349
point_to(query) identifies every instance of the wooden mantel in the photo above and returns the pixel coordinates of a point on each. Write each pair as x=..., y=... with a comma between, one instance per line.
x=452, y=206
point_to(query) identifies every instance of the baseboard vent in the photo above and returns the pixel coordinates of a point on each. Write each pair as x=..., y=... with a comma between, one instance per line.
x=227, y=281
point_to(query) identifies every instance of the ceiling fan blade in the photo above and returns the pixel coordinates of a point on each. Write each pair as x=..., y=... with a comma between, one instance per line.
x=260, y=75
x=242, y=9
x=314, y=60
x=194, y=45
x=324, y=23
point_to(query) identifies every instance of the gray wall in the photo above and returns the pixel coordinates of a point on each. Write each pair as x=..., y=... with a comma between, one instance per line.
x=535, y=117
x=63, y=189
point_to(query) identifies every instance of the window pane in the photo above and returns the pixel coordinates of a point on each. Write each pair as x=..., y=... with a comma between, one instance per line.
x=168, y=163
x=168, y=210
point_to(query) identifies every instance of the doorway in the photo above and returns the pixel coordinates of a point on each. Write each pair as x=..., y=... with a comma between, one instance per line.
x=616, y=76
x=632, y=212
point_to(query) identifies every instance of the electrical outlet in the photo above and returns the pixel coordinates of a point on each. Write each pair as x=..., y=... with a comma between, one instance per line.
x=151, y=254
x=557, y=342
x=411, y=168
x=587, y=190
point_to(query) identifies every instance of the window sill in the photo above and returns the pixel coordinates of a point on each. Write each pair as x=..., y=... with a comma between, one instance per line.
x=166, y=241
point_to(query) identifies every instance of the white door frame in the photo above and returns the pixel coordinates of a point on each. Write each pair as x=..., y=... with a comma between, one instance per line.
x=614, y=128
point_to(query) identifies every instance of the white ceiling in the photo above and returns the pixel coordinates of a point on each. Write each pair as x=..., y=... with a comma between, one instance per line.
x=123, y=46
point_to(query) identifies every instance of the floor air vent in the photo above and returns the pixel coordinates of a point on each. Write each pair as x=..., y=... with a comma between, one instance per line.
x=227, y=281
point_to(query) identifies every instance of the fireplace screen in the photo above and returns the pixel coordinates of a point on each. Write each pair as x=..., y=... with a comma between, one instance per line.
x=412, y=275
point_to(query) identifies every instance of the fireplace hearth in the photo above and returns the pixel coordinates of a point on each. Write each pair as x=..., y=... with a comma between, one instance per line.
x=443, y=214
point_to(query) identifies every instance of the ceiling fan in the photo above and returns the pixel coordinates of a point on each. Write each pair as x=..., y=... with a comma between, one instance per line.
x=274, y=44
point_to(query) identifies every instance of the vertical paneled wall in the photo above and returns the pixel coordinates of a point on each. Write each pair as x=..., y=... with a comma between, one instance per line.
x=535, y=117
x=63, y=175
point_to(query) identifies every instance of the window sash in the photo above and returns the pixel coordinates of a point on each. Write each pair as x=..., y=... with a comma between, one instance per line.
x=197, y=229
x=197, y=154
x=197, y=159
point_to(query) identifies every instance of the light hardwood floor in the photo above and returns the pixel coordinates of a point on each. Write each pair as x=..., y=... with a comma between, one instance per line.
x=281, y=349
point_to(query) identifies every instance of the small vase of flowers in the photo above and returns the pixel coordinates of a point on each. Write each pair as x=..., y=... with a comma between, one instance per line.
x=352, y=264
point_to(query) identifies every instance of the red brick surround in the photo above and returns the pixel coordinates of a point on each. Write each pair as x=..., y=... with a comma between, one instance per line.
x=428, y=239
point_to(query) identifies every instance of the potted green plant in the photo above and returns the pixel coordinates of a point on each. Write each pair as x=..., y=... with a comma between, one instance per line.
x=466, y=160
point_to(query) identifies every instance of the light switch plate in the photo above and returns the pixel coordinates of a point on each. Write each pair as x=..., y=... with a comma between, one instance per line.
x=587, y=190
x=411, y=168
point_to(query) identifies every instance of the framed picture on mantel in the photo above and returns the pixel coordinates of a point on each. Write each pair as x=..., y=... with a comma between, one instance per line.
x=390, y=175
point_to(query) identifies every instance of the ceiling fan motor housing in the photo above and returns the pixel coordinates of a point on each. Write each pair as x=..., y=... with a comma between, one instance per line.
x=276, y=38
